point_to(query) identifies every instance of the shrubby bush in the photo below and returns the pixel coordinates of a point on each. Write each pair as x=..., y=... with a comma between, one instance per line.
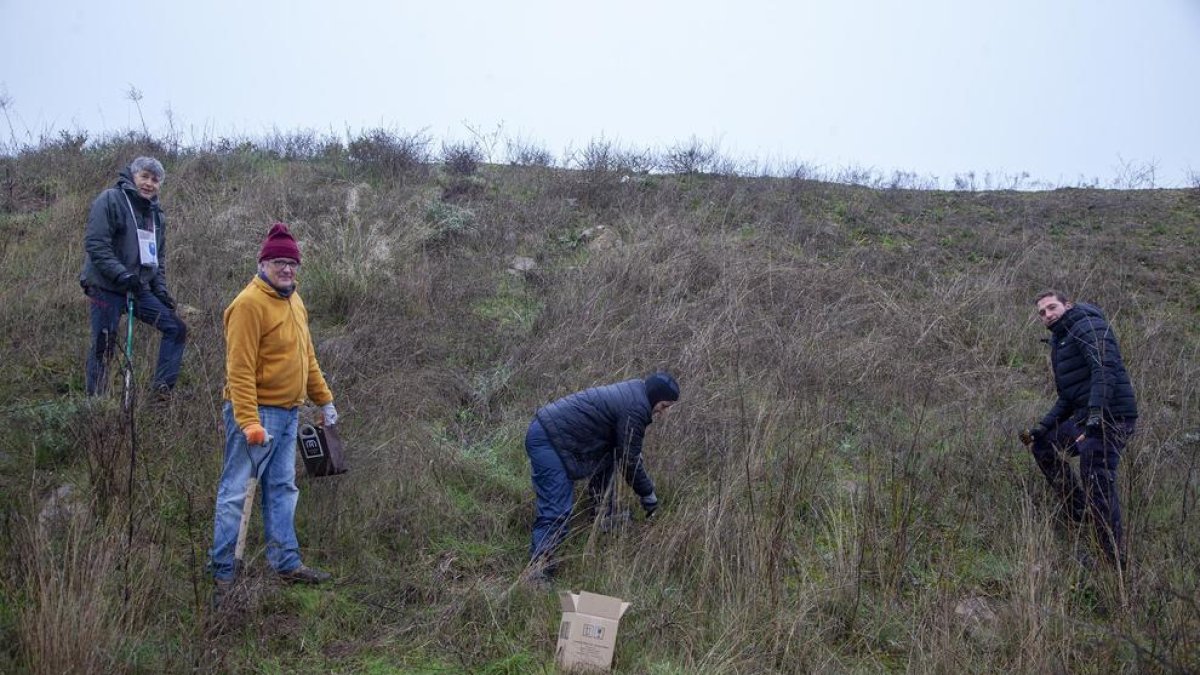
x=387, y=153
x=461, y=158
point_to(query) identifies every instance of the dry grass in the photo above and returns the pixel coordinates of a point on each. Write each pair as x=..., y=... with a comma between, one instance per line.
x=842, y=486
x=84, y=592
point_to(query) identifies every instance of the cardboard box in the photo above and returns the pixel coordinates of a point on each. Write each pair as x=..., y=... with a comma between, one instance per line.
x=587, y=635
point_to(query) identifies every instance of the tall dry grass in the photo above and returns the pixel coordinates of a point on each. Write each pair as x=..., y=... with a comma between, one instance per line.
x=842, y=485
x=83, y=590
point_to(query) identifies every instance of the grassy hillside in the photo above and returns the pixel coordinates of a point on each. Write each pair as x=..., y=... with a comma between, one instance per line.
x=842, y=483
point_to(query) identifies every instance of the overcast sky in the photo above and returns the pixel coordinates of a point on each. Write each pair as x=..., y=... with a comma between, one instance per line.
x=1067, y=90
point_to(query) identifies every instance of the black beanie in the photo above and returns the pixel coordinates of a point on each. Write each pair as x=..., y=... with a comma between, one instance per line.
x=661, y=387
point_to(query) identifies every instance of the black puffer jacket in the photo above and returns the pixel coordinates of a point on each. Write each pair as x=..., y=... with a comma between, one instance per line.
x=596, y=427
x=1088, y=370
x=111, y=243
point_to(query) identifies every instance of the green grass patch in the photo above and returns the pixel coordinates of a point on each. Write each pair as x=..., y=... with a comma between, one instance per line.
x=513, y=307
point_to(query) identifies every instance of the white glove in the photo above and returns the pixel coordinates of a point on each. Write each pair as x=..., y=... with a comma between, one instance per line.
x=329, y=414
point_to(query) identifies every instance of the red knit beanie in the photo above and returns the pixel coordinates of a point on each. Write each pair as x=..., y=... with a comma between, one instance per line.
x=279, y=244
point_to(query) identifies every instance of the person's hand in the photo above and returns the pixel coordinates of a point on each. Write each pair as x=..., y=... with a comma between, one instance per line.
x=1094, y=426
x=650, y=505
x=127, y=281
x=255, y=434
x=329, y=414
x=1028, y=436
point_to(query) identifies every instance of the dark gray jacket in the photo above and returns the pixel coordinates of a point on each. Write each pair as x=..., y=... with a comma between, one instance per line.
x=110, y=243
x=1088, y=370
x=592, y=429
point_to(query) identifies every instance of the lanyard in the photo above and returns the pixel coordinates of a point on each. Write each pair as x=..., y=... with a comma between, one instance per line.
x=134, y=215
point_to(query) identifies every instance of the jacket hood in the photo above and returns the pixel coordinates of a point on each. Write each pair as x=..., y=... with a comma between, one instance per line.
x=1072, y=316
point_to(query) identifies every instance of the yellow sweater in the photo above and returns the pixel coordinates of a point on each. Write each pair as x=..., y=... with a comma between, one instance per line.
x=269, y=357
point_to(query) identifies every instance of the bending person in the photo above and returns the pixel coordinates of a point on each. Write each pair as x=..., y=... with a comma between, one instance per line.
x=590, y=434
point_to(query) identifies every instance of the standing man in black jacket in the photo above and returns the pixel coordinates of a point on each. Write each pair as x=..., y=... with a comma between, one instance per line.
x=125, y=256
x=590, y=434
x=1093, y=417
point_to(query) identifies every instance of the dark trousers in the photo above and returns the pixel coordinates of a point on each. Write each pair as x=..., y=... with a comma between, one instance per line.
x=555, y=493
x=554, y=490
x=107, y=308
x=1098, y=459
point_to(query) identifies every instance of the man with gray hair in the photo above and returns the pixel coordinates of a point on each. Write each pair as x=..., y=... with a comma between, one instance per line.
x=125, y=259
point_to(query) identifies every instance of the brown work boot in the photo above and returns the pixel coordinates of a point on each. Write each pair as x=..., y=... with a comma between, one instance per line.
x=161, y=396
x=304, y=575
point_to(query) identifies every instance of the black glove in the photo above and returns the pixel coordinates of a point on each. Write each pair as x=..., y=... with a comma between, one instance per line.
x=1028, y=436
x=650, y=505
x=128, y=281
x=1094, y=426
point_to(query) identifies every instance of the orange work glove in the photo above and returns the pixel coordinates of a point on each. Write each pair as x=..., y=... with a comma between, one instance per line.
x=255, y=434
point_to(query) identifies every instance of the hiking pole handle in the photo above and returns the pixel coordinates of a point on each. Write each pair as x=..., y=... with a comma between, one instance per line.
x=239, y=551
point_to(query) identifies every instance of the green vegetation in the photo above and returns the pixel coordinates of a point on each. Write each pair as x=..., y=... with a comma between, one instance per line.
x=842, y=486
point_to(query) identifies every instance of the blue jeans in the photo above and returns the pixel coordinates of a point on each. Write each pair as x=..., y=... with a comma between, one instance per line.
x=555, y=493
x=1098, y=459
x=277, y=487
x=107, y=308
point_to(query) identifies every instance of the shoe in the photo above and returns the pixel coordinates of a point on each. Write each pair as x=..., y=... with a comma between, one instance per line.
x=221, y=590
x=304, y=575
x=1085, y=560
x=162, y=395
x=540, y=580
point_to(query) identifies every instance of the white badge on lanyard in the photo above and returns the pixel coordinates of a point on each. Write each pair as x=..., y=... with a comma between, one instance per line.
x=147, y=244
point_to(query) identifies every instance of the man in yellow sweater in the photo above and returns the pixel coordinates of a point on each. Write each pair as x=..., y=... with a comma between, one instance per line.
x=270, y=368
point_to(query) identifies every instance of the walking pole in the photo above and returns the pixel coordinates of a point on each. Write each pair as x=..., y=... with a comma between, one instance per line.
x=239, y=551
x=128, y=406
x=128, y=394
